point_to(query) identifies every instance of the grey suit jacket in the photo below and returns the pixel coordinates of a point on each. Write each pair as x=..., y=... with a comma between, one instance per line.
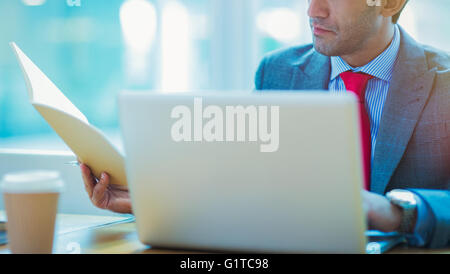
x=413, y=144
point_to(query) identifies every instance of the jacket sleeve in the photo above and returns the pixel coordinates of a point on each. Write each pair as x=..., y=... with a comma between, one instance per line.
x=259, y=77
x=439, y=203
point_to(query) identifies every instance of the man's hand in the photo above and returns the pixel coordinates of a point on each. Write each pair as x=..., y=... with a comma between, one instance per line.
x=103, y=195
x=381, y=214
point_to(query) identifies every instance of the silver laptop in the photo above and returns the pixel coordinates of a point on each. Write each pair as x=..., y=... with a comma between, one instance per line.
x=245, y=172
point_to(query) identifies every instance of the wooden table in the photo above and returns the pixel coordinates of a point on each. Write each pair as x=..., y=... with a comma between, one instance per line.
x=122, y=239
x=85, y=234
x=114, y=239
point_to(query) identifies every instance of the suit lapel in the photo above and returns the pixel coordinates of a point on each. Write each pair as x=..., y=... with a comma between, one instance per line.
x=311, y=72
x=408, y=93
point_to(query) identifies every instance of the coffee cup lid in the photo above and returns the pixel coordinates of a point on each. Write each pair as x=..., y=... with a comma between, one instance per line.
x=33, y=181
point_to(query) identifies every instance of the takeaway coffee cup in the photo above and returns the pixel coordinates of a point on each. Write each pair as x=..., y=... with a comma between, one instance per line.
x=31, y=202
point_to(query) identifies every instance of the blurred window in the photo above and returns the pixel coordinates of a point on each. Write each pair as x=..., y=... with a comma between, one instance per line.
x=94, y=49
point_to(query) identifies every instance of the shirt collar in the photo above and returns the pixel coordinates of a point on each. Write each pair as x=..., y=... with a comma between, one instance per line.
x=381, y=67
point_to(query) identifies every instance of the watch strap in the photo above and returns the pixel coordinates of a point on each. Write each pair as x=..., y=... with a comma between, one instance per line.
x=407, y=220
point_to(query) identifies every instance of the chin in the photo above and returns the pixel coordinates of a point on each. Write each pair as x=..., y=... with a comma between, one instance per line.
x=326, y=48
x=323, y=49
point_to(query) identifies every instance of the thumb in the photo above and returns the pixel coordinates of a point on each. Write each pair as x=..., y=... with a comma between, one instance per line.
x=100, y=188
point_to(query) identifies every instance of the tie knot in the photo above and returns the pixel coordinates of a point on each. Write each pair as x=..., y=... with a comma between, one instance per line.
x=356, y=82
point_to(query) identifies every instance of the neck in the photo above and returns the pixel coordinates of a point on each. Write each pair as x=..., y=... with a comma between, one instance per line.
x=372, y=48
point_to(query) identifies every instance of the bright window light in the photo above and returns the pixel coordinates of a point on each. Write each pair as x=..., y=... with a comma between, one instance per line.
x=33, y=2
x=282, y=24
x=408, y=20
x=176, y=47
x=138, y=20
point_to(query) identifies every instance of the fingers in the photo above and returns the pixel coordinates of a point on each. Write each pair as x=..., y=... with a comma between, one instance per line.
x=98, y=195
x=122, y=206
x=96, y=189
x=88, y=179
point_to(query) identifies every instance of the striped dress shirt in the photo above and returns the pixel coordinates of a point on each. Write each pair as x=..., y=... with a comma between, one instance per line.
x=381, y=68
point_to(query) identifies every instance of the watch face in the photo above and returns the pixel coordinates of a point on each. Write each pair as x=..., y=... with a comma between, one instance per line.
x=403, y=198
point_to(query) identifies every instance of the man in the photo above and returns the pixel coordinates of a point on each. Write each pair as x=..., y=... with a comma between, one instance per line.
x=404, y=91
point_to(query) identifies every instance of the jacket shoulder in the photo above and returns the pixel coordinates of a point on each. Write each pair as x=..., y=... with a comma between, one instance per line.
x=289, y=56
x=437, y=59
x=275, y=70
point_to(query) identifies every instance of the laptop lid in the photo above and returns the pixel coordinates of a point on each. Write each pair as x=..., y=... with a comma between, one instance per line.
x=278, y=172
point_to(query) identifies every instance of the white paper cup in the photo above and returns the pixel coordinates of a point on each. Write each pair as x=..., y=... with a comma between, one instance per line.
x=31, y=203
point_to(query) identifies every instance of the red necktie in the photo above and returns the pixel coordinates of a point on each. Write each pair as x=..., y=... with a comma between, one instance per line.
x=357, y=83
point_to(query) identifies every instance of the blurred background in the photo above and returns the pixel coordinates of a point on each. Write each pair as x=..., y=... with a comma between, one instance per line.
x=93, y=49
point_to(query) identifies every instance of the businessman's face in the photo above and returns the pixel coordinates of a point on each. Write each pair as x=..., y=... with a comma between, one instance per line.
x=342, y=27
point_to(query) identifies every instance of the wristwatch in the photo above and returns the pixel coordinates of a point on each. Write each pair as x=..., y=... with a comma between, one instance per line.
x=406, y=201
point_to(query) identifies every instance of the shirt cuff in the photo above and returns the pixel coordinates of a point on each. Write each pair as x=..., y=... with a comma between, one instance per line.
x=424, y=225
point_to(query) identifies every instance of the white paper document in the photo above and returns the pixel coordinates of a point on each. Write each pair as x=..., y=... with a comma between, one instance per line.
x=87, y=142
